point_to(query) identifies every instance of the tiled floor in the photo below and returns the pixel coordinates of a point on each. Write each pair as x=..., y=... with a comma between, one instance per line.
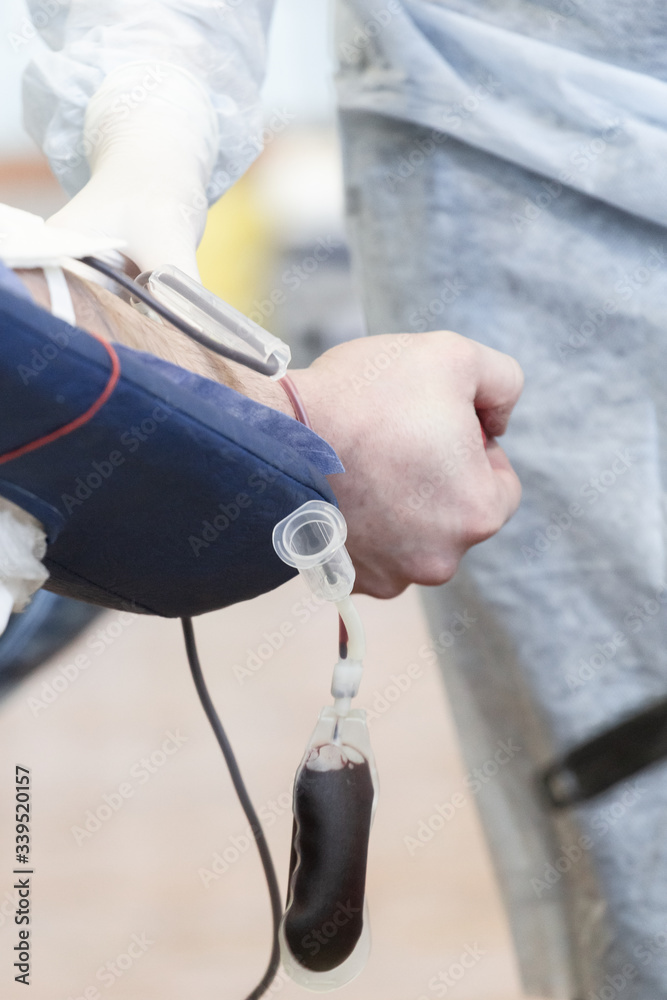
x=142, y=872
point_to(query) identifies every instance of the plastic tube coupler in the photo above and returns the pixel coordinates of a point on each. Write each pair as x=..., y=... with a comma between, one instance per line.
x=312, y=539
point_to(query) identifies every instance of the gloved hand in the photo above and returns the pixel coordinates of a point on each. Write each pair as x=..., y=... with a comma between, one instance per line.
x=151, y=142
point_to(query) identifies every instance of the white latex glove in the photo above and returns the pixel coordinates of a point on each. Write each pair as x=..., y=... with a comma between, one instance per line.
x=151, y=141
x=26, y=241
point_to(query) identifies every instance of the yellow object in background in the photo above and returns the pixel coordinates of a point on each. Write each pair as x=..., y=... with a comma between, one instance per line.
x=236, y=253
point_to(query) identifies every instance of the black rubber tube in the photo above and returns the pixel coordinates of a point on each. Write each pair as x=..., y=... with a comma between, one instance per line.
x=248, y=808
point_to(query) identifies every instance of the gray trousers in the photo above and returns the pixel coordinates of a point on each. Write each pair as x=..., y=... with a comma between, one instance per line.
x=570, y=600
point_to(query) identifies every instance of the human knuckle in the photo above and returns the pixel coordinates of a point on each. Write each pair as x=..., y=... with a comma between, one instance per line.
x=461, y=347
x=463, y=358
x=484, y=519
x=386, y=589
x=434, y=568
x=519, y=375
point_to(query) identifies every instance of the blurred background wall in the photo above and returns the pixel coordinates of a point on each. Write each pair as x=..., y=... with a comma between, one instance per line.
x=147, y=872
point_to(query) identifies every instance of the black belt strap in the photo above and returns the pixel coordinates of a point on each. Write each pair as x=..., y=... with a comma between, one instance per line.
x=612, y=756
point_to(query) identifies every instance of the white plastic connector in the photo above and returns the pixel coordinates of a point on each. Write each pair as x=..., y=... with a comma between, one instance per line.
x=312, y=538
x=346, y=678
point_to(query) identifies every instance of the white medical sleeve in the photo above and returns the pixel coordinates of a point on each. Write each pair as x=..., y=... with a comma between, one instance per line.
x=22, y=547
x=220, y=45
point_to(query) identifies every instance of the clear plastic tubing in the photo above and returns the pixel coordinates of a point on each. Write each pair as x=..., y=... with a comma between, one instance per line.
x=217, y=325
x=324, y=934
x=312, y=539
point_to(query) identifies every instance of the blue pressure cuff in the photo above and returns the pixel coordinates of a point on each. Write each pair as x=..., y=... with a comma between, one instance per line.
x=164, y=502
